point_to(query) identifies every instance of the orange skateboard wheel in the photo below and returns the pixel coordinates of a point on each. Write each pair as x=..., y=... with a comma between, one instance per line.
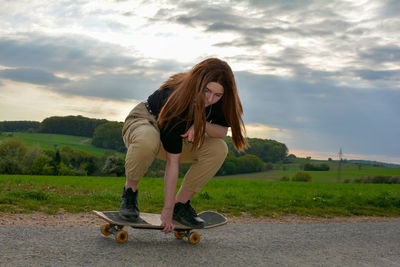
x=105, y=229
x=121, y=236
x=194, y=238
x=179, y=234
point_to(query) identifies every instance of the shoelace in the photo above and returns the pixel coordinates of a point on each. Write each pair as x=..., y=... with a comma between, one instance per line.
x=130, y=200
x=191, y=210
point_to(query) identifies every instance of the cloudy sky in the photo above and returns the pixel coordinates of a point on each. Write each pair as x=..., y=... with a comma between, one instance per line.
x=315, y=75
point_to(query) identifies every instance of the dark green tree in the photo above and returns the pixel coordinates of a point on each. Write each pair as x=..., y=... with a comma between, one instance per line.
x=70, y=125
x=109, y=135
x=19, y=126
x=265, y=149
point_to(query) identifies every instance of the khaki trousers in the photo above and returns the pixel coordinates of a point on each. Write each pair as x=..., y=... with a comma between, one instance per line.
x=141, y=136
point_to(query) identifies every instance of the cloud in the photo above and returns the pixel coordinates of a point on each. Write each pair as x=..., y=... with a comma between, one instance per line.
x=92, y=68
x=113, y=86
x=285, y=6
x=323, y=115
x=379, y=75
x=390, y=8
x=34, y=103
x=196, y=13
x=309, y=39
x=34, y=76
x=71, y=54
x=382, y=54
x=258, y=130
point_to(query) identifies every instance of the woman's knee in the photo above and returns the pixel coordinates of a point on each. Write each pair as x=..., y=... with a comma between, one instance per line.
x=217, y=148
x=139, y=157
x=143, y=146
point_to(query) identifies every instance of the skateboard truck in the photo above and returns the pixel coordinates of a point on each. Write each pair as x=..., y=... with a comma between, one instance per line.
x=112, y=229
x=122, y=236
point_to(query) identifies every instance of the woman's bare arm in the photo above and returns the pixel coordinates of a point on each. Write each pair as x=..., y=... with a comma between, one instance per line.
x=215, y=130
x=170, y=183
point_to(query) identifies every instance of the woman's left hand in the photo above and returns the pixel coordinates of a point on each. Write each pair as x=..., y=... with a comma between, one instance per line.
x=166, y=220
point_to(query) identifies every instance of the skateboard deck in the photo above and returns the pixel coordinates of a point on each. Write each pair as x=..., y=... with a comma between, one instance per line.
x=153, y=221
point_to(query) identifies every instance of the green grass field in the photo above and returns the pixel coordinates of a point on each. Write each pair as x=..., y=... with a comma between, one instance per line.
x=48, y=141
x=19, y=193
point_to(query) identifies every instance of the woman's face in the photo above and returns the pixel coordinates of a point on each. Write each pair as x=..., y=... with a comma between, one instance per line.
x=212, y=93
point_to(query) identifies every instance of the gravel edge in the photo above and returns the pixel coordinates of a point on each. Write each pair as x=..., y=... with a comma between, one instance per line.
x=88, y=219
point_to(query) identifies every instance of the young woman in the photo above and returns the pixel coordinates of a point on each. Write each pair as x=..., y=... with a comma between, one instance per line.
x=185, y=120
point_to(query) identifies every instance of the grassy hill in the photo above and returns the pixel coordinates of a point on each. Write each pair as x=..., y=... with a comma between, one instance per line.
x=49, y=141
x=320, y=176
x=349, y=170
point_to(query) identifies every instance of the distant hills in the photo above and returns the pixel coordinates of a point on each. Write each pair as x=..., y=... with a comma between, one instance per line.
x=370, y=162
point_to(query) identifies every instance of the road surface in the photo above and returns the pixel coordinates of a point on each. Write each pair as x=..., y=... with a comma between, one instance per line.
x=319, y=244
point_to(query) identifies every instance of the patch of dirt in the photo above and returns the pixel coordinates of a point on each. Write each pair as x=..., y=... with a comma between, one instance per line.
x=84, y=141
x=88, y=219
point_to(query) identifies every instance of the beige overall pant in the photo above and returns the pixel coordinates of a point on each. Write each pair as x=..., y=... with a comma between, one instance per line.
x=142, y=138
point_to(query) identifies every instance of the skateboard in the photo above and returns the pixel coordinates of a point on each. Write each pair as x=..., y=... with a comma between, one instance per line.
x=153, y=221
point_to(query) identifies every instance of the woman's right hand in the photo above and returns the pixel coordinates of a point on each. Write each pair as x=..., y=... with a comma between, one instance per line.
x=166, y=220
x=189, y=134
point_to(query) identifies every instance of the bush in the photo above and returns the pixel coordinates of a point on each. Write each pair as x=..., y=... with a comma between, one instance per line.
x=77, y=160
x=13, y=148
x=379, y=179
x=394, y=180
x=9, y=165
x=285, y=179
x=30, y=158
x=65, y=170
x=268, y=166
x=316, y=167
x=302, y=177
x=249, y=163
x=114, y=164
x=41, y=166
x=229, y=166
x=12, y=153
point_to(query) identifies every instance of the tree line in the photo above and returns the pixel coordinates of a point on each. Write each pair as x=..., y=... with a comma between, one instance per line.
x=104, y=133
x=259, y=156
x=19, y=126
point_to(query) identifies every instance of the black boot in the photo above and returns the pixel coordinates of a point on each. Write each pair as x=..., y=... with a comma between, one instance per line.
x=186, y=215
x=129, y=209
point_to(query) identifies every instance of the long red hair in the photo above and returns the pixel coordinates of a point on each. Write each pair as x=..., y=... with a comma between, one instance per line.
x=188, y=98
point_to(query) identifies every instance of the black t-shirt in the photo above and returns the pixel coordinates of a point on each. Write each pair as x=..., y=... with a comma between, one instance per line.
x=171, y=136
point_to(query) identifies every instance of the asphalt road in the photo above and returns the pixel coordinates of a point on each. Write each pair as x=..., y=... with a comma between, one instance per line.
x=336, y=244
